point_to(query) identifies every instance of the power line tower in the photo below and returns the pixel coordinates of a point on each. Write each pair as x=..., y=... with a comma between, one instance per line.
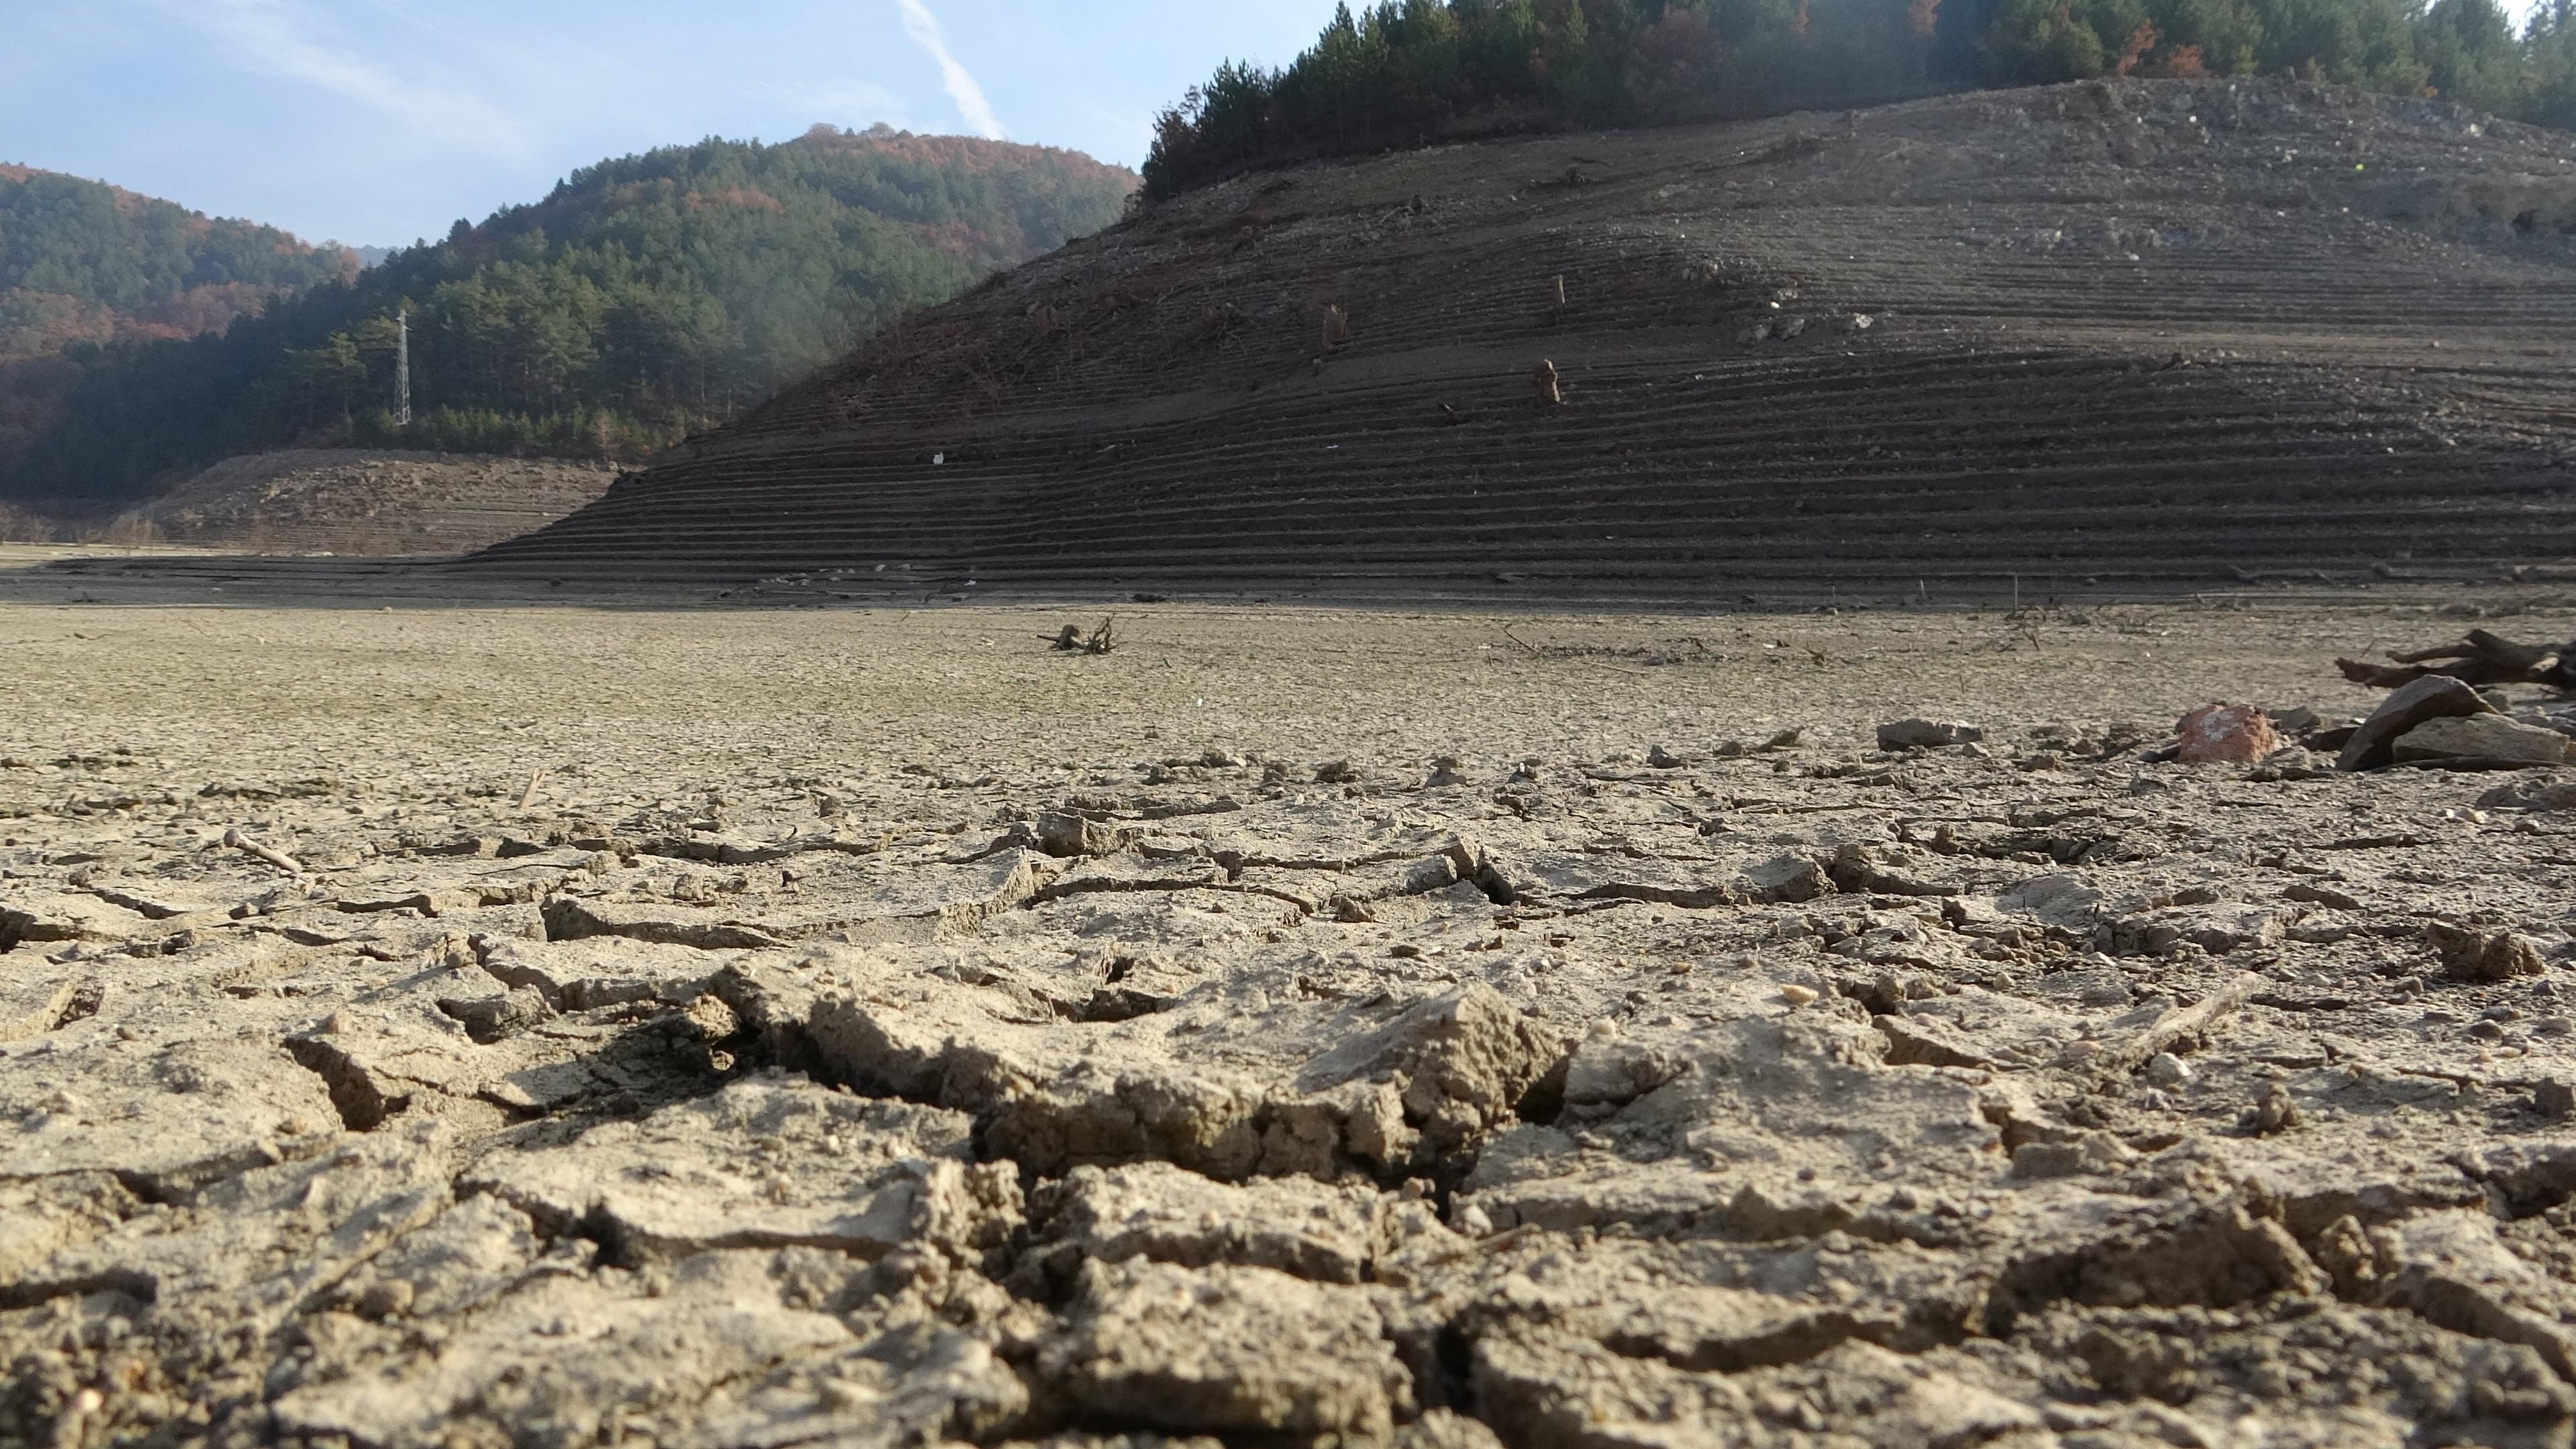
x=402, y=369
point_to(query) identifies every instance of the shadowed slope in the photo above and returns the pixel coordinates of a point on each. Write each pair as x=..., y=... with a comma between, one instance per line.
x=2139, y=333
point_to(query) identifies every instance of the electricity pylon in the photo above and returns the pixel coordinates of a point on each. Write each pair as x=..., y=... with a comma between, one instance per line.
x=402, y=369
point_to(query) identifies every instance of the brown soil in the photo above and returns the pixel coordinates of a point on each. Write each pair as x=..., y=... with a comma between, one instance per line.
x=344, y=501
x=2137, y=333
x=874, y=1027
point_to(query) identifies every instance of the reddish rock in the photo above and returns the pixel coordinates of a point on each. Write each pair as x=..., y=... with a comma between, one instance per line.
x=2226, y=734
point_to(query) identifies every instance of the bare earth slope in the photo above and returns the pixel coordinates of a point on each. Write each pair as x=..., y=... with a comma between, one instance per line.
x=354, y=501
x=874, y=1030
x=2142, y=331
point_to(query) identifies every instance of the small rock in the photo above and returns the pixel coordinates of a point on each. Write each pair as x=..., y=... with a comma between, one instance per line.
x=1445, y=771
x=2470, y=955
x=2274, y=1112
x=2225, y=734
x=2167, y=1070
x=1335, y=772
x=1798, y=995
x=489, y=1019
x=2553, y=1098
x=1790, y=878
x=1663, y=759
x=1925, y=734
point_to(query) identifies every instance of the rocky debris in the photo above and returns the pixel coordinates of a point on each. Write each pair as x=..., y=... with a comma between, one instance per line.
x=2225, y=734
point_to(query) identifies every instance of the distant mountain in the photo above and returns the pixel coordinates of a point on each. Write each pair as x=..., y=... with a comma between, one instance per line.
x=647, y=297
x=82, y=261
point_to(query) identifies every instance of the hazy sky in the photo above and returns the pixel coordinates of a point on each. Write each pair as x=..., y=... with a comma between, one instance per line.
x=382, y=121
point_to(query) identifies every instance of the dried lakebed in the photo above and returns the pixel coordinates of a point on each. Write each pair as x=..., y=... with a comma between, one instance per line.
x=1296, y=1027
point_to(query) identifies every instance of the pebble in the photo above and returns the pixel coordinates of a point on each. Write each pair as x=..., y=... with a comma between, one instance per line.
x=1798, y=995
x=2167, y=1070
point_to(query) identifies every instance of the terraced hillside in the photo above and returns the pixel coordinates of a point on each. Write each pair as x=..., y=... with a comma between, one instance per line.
x=2126, y=333
x=344, y=501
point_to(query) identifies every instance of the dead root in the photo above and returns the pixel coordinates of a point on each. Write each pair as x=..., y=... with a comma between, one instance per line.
x=2480, y=659
x=1100, y=641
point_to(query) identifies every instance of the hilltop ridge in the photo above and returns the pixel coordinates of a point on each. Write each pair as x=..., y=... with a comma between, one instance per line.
x=85, y=261
x=2129, y=332
x=644, y=297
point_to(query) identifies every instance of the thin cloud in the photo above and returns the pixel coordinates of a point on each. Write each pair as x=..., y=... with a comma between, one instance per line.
x=923, y=27
x=281, y=39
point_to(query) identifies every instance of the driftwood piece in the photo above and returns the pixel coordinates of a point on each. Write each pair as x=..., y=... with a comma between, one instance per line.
x=273, y=856
x=2374, y=741
x=2480, y=658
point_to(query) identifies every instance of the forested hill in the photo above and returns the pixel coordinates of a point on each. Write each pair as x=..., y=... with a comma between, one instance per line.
x=1397, y=72
x=647, y=297
x=82, y=261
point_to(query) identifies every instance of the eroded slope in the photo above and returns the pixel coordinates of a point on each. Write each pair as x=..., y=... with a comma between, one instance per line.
x=2126, y=331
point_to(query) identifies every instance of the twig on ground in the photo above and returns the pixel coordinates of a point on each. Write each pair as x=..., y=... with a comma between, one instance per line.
x=278, y=858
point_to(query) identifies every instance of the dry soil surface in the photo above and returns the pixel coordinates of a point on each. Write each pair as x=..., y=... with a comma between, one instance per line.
x=524, y=1026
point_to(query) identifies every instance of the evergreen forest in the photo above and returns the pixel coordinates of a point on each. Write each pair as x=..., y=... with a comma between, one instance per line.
x=82, y=261
x=647, y=297
x=1405, y=71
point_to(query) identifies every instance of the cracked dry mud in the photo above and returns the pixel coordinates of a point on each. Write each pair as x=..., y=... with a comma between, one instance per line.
x=1298, y=1027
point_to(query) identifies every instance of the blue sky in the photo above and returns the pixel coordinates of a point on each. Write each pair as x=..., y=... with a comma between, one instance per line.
x=382, y=121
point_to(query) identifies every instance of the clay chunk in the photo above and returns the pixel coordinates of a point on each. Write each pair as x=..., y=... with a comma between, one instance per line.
x=1229, y=1351
x=2226, y=734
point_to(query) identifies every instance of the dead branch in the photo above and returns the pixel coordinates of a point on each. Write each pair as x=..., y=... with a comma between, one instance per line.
x=278, y=858
x=1100, y=641
x=2479, y=659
